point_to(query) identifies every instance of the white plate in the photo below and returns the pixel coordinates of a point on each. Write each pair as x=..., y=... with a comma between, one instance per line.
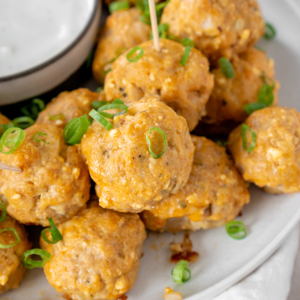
x=268, y=218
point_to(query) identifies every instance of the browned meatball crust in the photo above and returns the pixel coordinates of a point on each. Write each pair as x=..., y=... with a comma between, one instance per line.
x=11, y=269
x=123, y=30
x=214, y=194
x=54, y=182
x=274, y=164
x=128, y=178
x=67, y=106
x=184, y=88
x=218, y=27
x=99, y=255
x=3, y=121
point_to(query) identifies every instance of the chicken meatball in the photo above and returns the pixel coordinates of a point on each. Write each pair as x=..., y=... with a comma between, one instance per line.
x=218, y=27
x=128, y=178
x=3, y=121
x=184, y=88
x=11, y=269
x=67, y=106
x=229, y=96
x=274, y=163
x=214, y=194
x=99, y=255
x=123, y=30
x=54, y=182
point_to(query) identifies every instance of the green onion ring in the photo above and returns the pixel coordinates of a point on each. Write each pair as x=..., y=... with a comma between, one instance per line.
x=108, y=70
x=29, y=263
x=75, y=129
x=40, y=133
x=16, y=140
x=3, y=215
x=162, y=31
x=187, y=42
x=265, y=95
x=23, y=122
x=36, y=106
x=18, y=240
x=252, y=107
x=118, y=5
x=59, y=116
x=236, y=230
x=97, y=104
x=180, y=272
x=149, y=142
x=172, y=37
x=100, y=119
x=185, y=55
x=244, y=130
x=145, y=19
x=56, y=235
x=270, y=31
x=133, y=51
x=226, y=67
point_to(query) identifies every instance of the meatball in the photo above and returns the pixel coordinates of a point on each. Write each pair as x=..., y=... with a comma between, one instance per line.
x=218, y=27
x=123, y=30
x=229, y=96
x=274, y=164
x=99, y=255
x=54, y=182
x=67, y=106
x=214, y=194
x=184, y=88
x=3, y=121
x=11, y=269
x=128, y=178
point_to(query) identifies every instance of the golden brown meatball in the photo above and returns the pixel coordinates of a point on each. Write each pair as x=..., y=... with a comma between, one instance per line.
x=123, y=30
x=67, y=106
x=54, y=182
x=229, y=96
x=214, y=194
x=11, y=270
x=99, y=255
x=274, y=164
x=128, y=178
x=184, y=88
x=218, y=27
x=3, y=121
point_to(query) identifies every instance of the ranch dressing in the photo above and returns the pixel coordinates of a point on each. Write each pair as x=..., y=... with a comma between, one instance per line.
x=34, y=31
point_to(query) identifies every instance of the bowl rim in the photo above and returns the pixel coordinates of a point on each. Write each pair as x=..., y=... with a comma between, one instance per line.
x=59, y=55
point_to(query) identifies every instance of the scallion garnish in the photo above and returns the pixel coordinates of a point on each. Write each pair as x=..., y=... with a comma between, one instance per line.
x=97, y=104
x=270, y=31
x=149, y=142
x=226, y=67
x=56, y=235
x=3, y=215
x=18, y=240
x=236, y=230
x=173, y=37
x=130, y=55
x=244, y=130
x=114, y=105
x=188, y=47
x=34, y=108
x=145, y=19
x=99, y=89
x=181, y=273
x=100, y=119
x=60, y=116
x=12, y=138
x=23, y=122
x=252, y=107
x=75, y=130
x=162, y=31
x=40, y=133
x=102, y=70
x=118, y=5
x=29, y=263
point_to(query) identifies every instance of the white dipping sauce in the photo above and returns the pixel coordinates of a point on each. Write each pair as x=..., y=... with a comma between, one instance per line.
x=34, y=31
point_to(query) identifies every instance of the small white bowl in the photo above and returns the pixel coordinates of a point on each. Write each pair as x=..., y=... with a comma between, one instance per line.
x=55, y=70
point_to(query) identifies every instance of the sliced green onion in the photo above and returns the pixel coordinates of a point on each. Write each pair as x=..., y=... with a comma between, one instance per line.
x=40, y=133
x=270, y=31
x=251, y=107
x=236, y=230
x=3, y=215
x=162, y=31
x=4, y=127
x=106, y=115
x=60, y=116
x=188, y=47
x=18, y=240
x=244, y=130
x=226, y=67
x=118, y=101
x=99, y=89
x=100, y=119
x=97, y=104
x=102, y=70
x=23, y=122
x=30, y=263
x=12, y=142
x=149, y=142
x=187, y=42
x=181, y=273
x=145, y=19
x=56, y=235
x=173, y=37
x=118, y=5
x=114, y=105
x=34, y=108
x=130, y=55
x=75, y=129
